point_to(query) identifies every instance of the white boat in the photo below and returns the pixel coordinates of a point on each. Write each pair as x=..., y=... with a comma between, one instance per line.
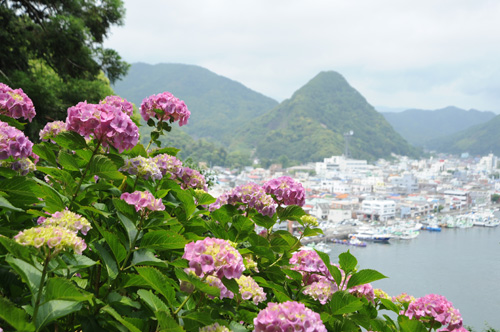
x=371, y=234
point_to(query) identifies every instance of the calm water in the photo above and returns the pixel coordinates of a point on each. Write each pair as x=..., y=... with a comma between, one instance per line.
x=461, y=264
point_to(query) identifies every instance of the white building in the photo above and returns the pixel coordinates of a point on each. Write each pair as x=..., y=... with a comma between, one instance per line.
x=379, y=209
x=337, y=164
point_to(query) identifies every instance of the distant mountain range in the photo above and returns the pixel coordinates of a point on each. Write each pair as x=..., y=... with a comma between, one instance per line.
x=420, y=127
x=233, y=121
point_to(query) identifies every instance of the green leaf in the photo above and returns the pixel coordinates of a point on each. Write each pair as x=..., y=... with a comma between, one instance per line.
x=29, y=274
x=152, y=301
x=4, y=203
x=119, y=318
x=347, y=262
x=334, y=271
x=312, y=231
x=263, y=221
x=54, y=309
x=344, y=303
x=107, y=259
x=137, y=151
x=114, y=244
x=204, y=199
x=197, y=283
x=166, y=322
x=16, y=249
x=44, y=151
x=291, y=212
x=21, y=190
x=363, y=277
x=63, y=289
x=61, y=175
x=52, y=199
x=70, y=140
x=158, y=281
x=14, y=316
x=409, y=325
x=200, y=317
x=103, y=167
x=389, y=305
x=168, y=150
x=68, y=161
x=12, y=122
x=7, y=172
x=114, y=297
x=147, y=257
x=163, y=240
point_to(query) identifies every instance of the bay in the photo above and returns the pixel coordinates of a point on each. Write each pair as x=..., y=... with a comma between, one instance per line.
x=461, y=264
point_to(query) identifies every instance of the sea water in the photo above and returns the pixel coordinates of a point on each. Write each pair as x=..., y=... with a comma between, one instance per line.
x=461, y=264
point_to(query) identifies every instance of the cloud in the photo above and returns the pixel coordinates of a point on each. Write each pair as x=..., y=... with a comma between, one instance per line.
x=397, y=51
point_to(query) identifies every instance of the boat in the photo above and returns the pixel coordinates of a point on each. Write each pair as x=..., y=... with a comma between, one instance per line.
x=351, y=242
x=406, y=234
x=432, y=228
x=370, y=234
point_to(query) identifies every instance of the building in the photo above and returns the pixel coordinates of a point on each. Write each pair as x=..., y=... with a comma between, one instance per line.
x=382, y=210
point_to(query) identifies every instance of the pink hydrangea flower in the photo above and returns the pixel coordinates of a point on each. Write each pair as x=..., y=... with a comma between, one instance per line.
x=22, y=166
x=288, y=316
x=212, y=256
x=67, y=219
x=310, y=265
x=54, y=237
x=173, y=108
x=214, y=328
x=433, y=307
x=13, y=143
x=122, y=104
x=51, y=130
x=169, y=166
x=216, y=282
x=191, y=178
x=321, y=290
x=143, y=200
x=143, y=167
x=250, y=290
x=104, y=122
x=15, y=103
x=365, y=290
x=251, y=195
x=286, y=191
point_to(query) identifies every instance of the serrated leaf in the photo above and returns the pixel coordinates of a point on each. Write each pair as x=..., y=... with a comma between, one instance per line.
x=114, y=244
x=363, y=277
x=107, y=259
x=263, y=221
x=52, y=199
x=21, y=190
x=16, y=249
x=163, y=240
x=389, y=305
x=204, y=199
x=14, y=316
x=112, y=312
x=334, y=271
x=63, y=289
x=136, y=151
x=52, y=310
x=12, y=122
x=146, y=257
x=70, y=140
x=167, y=323
x=343, y=303
x=152, y=301
x=291, y=212
x=409, y=325
x=167, y=150
x=158, y=281
x=29, y=274
x=312, y=231
x=68, y=161
x=103, y=167
x=347, y=262
x=4, y=203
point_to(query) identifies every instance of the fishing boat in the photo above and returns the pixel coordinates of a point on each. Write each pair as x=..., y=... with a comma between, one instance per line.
x=351, y=242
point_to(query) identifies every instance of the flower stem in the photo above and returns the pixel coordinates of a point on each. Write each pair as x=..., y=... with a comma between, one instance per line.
x=183, y=303
x=40, y=288
x=85, y=172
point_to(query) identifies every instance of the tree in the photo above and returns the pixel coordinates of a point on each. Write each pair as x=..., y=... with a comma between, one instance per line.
x=53, y=50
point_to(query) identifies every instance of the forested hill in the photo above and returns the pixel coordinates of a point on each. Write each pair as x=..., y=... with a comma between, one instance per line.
x=311, y=125
x=419, y=127
x=478, y=140
x=218, y=105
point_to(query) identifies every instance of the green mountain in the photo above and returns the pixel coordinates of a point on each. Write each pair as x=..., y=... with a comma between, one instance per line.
x=419, y=127
x=218, y=105
x=478, y=140
x=311, y=125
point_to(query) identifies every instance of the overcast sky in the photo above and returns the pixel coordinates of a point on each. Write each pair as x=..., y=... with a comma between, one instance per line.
x=425, y=54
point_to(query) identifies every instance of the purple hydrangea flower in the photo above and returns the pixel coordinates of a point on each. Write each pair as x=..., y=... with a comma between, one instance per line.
x=433, y=307
x=288, y=316
x=169, y=166
x=173, y=108
x=143, y=167
x=120, y=103
x=212, y=256
x=51, y=130
x=22, y=166
x=286, y=191
x=143, y=200
x=191, y=178
x=13, y=143
x=213, y=328
x=15, y=103
x=250, y=194
x=104, y=122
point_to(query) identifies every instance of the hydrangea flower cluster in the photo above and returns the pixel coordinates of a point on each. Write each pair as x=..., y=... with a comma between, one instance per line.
x=143, y=200
x=23, y=166
x=15, y=103
x=214, y=328
x=216, y=282
x=435, y=307
x=191, y=178
x=52, y=129
x=67, y=219
x=380, y=294
x=249, y=289
x=403, y=298
x=288, y=316
x=169, y=165
x=308, y=263
x=13, y=143
x=173, y=108
x=104, y=122
x=212, y=256
x=55, y=237
x=286, y=191
x=309, y=220
x=250, y=194
x=143, y=167
x=120, y=103
x=321, y=290
x=365, y=290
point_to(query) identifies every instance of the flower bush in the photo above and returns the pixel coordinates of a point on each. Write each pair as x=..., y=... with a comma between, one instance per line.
x=105, y=234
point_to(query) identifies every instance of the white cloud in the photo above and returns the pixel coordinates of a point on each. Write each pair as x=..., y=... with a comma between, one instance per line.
x=395, y=52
